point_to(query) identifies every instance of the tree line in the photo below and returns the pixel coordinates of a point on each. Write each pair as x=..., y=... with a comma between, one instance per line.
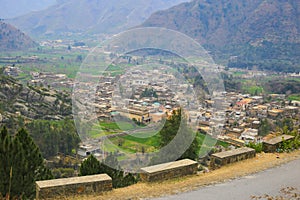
x=21, y=165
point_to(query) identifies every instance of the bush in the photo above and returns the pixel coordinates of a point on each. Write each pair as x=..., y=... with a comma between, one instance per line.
x=63, y=172
x=257, y=146
x=119, y=178
x=291, y=145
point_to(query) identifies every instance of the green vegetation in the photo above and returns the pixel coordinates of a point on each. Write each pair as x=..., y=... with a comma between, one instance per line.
x=295, y=97
x=136, y=144
x=291, y=145
x=151, y=141
x=92, y=166
x=21, y=165
x=108, y=128
x=258, y=147
x=254, y=90
x=239, y=73
x=53, y=137
x=176, y=130
x=63, y=172
x=120, y=125
x=149, y=93
x=60, y=61
x=208, y=143
x=264, y=127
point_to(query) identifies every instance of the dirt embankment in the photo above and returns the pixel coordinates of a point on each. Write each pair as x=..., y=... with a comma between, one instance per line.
x=147, y=190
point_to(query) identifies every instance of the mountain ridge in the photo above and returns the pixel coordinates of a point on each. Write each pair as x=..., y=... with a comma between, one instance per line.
x=90, y=16
x=14, y=8
x=255, y=32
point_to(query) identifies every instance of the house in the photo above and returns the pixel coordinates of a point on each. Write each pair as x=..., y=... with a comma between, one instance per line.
x=249, y=134
x=274, y=113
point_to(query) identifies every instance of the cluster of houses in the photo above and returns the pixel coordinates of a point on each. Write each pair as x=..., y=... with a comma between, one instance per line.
x=12, y=71
x=51, y=79
x=245, y=115
x=150, y=95
x=142, y=95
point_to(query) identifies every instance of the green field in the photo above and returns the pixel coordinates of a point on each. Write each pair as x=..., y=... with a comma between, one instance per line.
x=132, y=144
x=107, y=128
x=294, y=97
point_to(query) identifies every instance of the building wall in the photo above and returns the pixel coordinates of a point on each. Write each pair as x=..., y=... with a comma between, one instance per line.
x=72, y=188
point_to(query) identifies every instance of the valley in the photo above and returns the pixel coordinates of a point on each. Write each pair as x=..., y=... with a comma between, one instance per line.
x=92, y=87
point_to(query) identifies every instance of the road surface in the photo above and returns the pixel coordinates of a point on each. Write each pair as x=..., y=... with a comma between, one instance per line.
x=269, y=182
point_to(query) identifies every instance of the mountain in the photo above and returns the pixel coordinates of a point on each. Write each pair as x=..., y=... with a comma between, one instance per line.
x=250, y=32
x=90, y=16
x=15, y=8
x=13, y=39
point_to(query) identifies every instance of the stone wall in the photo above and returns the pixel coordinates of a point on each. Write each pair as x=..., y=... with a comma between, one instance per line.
x=169, y=170
x=273, y=144
x=227, y=157
x=66, y=187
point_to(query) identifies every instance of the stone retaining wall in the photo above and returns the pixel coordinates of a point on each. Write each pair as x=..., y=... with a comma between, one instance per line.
x=272, y=145
x=227, y=157
x=66, y=187
x=169, y=170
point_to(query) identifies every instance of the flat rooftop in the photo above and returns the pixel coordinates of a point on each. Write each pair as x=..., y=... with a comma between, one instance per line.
x=278, y=139
x=233, y=152
x=168, y=166
x=73, y=180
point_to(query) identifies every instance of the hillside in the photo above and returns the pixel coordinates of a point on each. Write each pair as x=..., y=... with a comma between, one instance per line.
x=13, y=39
x=14, y=8
x=257, y=31
x=90, y=16
x=31, y=101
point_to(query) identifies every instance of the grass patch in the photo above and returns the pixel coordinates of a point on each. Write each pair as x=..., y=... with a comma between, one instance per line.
x=239, y=73
x=136, y=144
x=207, y=143
x=253, y=90
x=121, y=125
x=294, y=97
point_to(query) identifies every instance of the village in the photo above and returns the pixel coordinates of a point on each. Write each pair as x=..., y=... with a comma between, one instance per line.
x=144, y=98
x=149, y=96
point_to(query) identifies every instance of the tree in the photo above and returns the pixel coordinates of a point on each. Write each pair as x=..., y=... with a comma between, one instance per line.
x=22, y=165
x=110, y=166
x=264, y=128
x=90, y=166
x=55, y=136
x=186, y=139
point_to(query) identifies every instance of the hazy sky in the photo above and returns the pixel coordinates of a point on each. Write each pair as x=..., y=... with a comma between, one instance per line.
x=14, y=8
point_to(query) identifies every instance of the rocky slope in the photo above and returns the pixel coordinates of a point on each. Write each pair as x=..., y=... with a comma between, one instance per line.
x=13, y=39
x=31, y=101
